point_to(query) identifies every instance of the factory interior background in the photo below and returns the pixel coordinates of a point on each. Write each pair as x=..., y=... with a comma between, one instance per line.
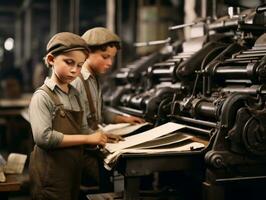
x=199, y=63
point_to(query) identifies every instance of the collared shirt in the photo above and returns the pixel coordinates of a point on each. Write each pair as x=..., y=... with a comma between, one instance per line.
x=102, y=114
x=42, y=111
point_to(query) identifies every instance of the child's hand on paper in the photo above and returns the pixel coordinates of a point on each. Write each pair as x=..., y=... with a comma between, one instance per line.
x=97, y=138
x=129, y=119
x=111, y=138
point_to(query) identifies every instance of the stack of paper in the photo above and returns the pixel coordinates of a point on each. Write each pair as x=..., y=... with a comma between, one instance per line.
x=111, y=158
x=157, y=140
x=144, y=137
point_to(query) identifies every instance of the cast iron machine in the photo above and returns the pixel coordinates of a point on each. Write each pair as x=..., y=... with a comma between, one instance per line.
x=215, y=85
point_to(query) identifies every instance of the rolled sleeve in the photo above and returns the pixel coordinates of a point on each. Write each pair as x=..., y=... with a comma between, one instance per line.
x=41, y=111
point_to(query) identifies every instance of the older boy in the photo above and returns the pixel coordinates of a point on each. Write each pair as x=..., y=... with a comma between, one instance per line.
x=103, y=45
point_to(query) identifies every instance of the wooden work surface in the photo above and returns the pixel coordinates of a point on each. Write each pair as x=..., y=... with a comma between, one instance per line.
x=13, y=183
x=23, y=101
x=14, y=107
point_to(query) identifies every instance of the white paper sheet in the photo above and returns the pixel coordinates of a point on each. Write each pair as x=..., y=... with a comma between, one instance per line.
x=144, y=136
x=112, y=127
x=123, y=128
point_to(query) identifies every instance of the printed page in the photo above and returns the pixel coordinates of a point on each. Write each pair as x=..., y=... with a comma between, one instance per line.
x=144, y=136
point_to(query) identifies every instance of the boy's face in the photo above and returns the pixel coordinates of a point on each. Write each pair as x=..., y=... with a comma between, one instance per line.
x=67, y=66
x=100, y=61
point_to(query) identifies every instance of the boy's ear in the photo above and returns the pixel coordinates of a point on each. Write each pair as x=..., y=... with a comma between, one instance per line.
x=50, y=59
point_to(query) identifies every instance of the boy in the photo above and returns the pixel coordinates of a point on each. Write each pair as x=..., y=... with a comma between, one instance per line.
x=103, y=45
x=58, y=123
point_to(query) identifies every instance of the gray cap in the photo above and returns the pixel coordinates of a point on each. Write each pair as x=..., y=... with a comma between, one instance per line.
x=99, y=36
x=64, y=42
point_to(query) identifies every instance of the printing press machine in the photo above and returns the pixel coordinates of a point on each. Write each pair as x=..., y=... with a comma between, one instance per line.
x=215, y=85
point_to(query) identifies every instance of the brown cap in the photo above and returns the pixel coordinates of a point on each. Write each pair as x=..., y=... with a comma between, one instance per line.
x=64, y=42
x=99, y=36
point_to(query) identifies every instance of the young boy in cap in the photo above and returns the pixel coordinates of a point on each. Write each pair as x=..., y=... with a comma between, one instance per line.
x=59, y=124
x=103, y=45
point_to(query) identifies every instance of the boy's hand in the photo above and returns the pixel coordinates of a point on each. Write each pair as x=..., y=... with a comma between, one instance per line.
x=98, y=138
x=111, y=138
x=129, y=119
x=134, y=120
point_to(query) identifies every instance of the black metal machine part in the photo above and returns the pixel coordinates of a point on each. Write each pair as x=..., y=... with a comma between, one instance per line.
x=218, y=91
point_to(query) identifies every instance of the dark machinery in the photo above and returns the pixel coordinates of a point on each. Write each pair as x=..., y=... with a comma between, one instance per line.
x=216, y=86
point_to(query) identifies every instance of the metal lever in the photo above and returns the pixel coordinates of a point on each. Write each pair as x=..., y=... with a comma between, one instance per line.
x=150, y=43
x=261, y=9
x=181, y=26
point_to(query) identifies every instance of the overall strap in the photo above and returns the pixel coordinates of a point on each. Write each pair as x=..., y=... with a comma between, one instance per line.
x=52, y=95
x=89, y=97
x=79, y=102
x=58, y=103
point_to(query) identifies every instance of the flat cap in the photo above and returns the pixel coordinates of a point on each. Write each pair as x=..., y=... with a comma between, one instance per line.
x=99, y=36
x=64, y=42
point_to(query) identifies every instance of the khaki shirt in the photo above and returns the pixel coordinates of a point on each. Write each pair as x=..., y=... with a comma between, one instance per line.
x=102, y=114
x=42, y=111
